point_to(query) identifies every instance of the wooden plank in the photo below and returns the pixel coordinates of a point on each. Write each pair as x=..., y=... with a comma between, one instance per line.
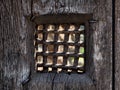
x=102, y=45
x=62, y=18
x=14, y=57
x=73, y=82
x=41, y=81
x=117, y=45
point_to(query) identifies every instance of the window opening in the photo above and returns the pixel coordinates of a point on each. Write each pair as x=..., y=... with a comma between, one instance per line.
x=60, y=46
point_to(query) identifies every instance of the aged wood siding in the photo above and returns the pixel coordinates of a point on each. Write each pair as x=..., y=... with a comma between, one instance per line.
x=117, y=45
x=15, y=54
x=16, y=46
x=103, y=44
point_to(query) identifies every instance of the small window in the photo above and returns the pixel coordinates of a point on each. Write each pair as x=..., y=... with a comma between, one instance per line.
x=60, y=45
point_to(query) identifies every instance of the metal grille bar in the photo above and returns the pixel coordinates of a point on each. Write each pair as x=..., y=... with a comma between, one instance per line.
x=60, y=47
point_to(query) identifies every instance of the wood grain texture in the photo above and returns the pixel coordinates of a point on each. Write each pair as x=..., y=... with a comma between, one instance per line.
x=53, y=81
x=41, y=81
x=62, y=6
x=102, y=43
x=14, y=60
x=117, y=45
x=17, y=50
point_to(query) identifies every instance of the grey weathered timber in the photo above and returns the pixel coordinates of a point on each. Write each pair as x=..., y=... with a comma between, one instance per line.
x=15, y=43
x=16, y=46
x=102, y=43
x=117, y=45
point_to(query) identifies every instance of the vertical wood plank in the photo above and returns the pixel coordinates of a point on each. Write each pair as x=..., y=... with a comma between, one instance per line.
x=117, y=45
x=14, y=60
x=102, y=42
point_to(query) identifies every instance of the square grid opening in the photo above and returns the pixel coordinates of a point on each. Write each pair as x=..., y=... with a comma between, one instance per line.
x=60, y=48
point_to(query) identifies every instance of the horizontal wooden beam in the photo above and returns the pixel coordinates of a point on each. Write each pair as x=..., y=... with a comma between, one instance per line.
x=61, y=18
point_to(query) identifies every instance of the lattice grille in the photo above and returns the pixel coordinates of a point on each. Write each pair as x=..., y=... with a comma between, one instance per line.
x=60, y=48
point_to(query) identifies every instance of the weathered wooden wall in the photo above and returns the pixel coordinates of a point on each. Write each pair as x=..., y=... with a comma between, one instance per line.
x=16, y=46
x=117, y=45
x=15, y=56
